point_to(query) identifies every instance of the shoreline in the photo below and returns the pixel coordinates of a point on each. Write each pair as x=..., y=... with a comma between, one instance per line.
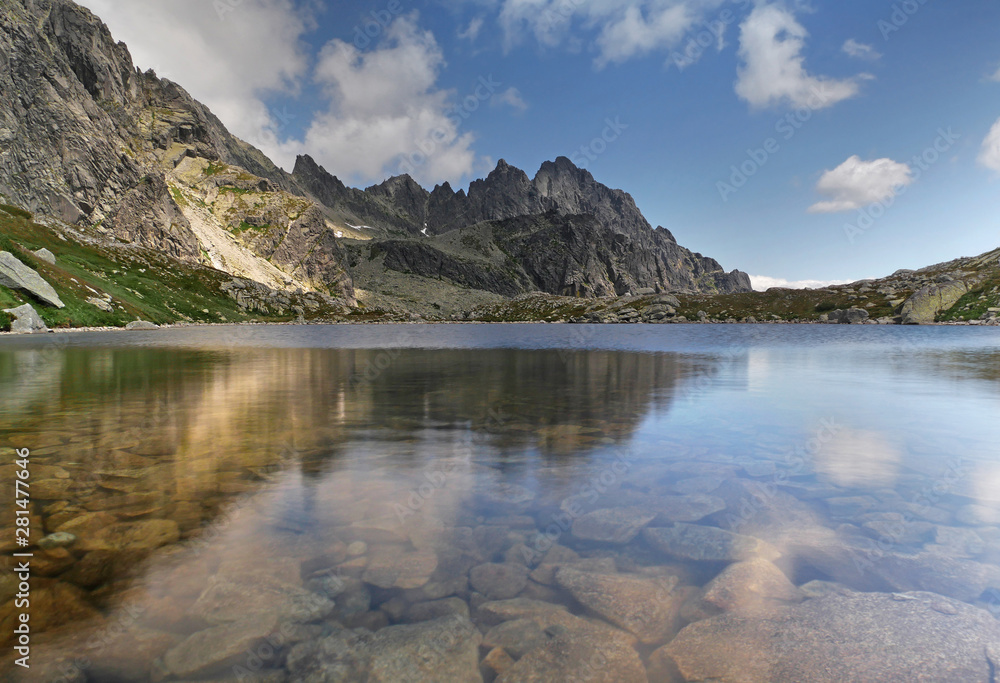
x=174, y=326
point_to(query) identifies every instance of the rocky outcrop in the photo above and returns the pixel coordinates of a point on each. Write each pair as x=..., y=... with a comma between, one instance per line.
x=16, y=275
x=922, y=308
x=148, y=215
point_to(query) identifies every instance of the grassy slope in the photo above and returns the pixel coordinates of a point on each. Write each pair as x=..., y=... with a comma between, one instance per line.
x=142, y=284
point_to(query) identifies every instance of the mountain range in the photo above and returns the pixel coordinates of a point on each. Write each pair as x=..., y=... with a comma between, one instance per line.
x=121, y=196
x=88, y=139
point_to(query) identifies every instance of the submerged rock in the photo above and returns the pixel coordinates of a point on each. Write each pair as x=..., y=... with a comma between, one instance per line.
x=499, y=581
x=708, y=544
x=643, y=606
x=750, y=585
x=391, y=569
x=896, y=638
x=578, y=656
x=218, y=648
x=440, y=650
x=616, y=525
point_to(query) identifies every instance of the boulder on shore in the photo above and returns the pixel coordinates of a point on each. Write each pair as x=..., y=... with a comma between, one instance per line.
x=141, y=325
x=922, y=308
x=26, y=320
x=16, y=275
x=852, y=316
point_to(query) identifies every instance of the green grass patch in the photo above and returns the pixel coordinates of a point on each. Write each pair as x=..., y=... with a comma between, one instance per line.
x=215, y=169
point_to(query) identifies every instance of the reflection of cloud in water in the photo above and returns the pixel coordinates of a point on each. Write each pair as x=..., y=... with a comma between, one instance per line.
x=858, y=458
x=986, y=482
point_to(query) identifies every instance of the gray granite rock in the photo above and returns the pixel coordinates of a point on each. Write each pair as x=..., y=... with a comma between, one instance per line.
x=16, y=275
x=897, y=638
x=26, y=320
x=707, y=544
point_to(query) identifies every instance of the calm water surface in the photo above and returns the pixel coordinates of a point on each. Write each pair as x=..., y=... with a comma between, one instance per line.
x=538, y=503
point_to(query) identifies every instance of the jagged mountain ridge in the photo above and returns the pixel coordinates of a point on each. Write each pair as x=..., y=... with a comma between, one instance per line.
x=89, y=139
x=401, y=207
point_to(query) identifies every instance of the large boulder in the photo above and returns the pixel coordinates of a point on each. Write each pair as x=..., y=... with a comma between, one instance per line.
x=16, y=275
x=891, y=638
x=922, y=308
x=852, y=316
x=26, y=320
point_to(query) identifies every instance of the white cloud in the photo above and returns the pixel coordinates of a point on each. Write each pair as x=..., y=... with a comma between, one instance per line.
x=996, y=77
x=990, y=154
x=773, y=69
x=860, y=50
x=856, y=184
x=387, y=115
x=625, y=29
x=512, y=98
x=471, y=32
x=215, y=53
x=762, y=283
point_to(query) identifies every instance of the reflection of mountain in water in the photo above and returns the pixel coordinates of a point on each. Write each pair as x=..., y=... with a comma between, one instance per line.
x=133, y=449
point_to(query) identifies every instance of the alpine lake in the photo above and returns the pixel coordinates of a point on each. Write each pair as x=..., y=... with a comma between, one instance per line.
x=613, y=504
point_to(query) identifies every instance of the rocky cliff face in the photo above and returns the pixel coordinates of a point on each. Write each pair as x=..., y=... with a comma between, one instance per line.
x=87, y=138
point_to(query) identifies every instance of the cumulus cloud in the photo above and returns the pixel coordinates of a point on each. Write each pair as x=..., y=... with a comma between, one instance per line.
x=860, y=50
x=773, y=69
x=625, y=29
x=214, y=51
x=387, y=114
x=990, y=154
x=856, y=184
x=512, y=98
x=762, y=283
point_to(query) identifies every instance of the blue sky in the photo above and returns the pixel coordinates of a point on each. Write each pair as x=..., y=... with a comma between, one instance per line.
x=868, y=133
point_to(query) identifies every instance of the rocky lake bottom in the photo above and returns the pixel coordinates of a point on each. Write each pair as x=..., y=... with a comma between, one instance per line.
x=736, y=504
